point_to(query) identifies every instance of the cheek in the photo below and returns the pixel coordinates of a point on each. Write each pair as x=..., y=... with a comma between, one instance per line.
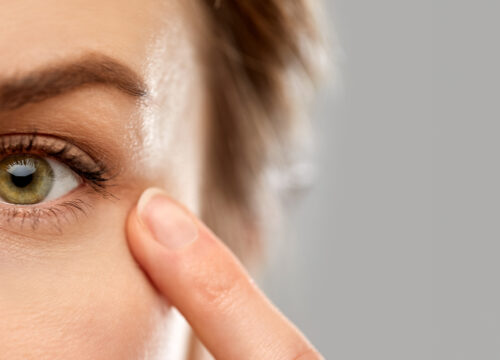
x=85, y=300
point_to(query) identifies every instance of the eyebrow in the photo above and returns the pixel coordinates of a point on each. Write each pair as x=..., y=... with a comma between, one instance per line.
x=66, y=76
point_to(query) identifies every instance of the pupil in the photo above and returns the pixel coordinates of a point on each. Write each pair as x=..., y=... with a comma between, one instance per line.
x=21, y=175
x=21, y=181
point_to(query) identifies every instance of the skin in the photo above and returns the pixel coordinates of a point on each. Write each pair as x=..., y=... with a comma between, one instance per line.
x=78, y=290
x=79, y=294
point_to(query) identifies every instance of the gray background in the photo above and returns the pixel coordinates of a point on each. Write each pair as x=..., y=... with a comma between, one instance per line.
x=356, y=277
x=395, y=250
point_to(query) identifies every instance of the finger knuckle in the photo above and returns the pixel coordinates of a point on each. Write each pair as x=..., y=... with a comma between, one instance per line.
x=220, y=292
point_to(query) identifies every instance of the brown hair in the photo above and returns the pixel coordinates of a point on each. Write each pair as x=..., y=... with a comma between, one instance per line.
x=257, y=51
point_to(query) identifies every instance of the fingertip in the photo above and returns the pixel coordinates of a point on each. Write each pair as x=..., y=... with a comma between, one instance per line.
x=141, y=243
x=136, y=234
x=169, y=223
x=146, y=196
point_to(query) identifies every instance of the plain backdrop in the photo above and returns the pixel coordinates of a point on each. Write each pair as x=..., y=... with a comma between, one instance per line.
x=359, y=272
x=395, y=252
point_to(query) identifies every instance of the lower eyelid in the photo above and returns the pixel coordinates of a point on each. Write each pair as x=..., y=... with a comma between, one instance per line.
x=50, y=218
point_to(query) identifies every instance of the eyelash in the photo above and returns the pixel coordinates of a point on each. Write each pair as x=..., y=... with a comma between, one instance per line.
x=96, y=176
x=27, y=144
x=55, y=213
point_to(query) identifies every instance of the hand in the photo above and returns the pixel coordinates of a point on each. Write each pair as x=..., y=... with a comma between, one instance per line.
x=199, y=275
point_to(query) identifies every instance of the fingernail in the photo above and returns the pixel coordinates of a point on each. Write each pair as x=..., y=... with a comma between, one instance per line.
x=169, y=223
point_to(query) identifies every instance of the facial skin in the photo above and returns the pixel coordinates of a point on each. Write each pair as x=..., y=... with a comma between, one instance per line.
x=69, y=288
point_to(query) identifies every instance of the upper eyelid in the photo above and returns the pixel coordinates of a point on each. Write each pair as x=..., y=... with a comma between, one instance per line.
x=50, y=145
x=63, y=150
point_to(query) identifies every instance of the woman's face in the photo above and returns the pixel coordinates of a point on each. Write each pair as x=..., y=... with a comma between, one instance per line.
x=71, y=77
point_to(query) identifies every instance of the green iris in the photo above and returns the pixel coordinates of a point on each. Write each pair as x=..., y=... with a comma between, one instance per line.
x=25, y=179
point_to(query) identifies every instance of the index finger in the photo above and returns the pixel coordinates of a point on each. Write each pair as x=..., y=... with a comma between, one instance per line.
x=198, y=274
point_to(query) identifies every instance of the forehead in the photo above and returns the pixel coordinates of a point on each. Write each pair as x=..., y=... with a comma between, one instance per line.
x=34, y=32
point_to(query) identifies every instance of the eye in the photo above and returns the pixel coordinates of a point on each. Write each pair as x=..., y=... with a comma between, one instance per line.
x=29, y=179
